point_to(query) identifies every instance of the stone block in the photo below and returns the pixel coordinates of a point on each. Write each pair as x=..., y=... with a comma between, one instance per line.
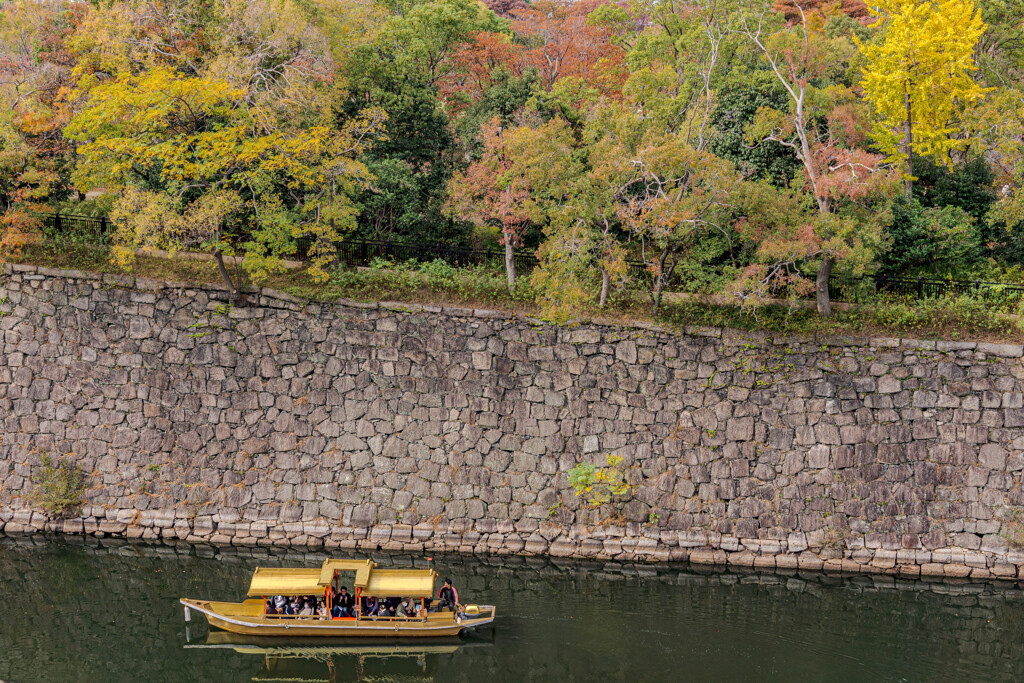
x=992, y=456
x=625, y=351
x=1001, y=350
x=887, y=384
x=740, y=429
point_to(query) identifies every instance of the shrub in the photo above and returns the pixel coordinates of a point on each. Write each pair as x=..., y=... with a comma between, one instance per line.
x=599, y=485
x=388, y=279
x=58, y=487
x=960, y=313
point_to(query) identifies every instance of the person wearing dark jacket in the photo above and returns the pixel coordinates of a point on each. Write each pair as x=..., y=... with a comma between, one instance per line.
x=343, y=604
x=448, y=597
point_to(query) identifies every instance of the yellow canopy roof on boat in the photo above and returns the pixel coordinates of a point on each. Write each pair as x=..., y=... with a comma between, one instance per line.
x=413, y=583
x=279, y=581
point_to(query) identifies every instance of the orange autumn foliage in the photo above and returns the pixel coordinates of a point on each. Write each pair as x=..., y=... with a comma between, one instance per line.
x=474, y=66
x=856, y=9
x=561, y=43
x=553, y=37
x=17, y=228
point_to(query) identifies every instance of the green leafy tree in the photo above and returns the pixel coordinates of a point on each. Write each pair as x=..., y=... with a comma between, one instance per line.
x=931, y=241
x=736, y=106
x=576, y=197
x=825, y=125
x=399, y=71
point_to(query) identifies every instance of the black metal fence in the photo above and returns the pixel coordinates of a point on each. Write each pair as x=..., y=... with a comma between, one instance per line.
x=923, y=287
x=363, y=253
x=85, y=226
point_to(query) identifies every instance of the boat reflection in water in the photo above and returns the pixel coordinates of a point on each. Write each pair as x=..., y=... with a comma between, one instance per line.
x=335, y=660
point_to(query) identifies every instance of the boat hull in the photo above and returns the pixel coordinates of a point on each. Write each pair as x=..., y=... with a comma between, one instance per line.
x=225, y=616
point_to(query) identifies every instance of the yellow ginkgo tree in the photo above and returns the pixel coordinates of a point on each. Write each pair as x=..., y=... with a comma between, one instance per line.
x=919, y=77
x=197, y=164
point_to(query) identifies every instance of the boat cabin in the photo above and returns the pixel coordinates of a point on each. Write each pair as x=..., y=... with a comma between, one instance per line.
x=362, y=576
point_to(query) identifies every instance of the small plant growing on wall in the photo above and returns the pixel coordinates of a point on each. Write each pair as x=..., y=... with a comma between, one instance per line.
x=600, y=485
x=1013, y=528
x=58, y=487
x=834, y=540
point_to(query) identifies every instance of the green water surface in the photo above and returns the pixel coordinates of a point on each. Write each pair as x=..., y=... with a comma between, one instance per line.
x=87, y=610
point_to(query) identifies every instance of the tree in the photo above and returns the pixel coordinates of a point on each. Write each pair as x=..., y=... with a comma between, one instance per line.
x=919, y=78
x=574, y=196
x=478, y=64
x=225, y=118
x=737, y=104
x=504, y=8
x=938, y=241
x=560, y=42
x=489, y=192
x=856, y=9
x=199, y=150
x=414, y=53
x=825, y=125
x=678, y=194
x=35, y=81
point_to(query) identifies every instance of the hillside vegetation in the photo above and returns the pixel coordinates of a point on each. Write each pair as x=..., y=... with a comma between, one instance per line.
x=758, y=149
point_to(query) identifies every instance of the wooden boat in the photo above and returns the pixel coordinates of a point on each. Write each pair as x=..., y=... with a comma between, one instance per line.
x=250, y=616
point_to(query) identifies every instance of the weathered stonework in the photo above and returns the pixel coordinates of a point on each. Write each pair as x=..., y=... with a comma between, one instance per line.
x=401, y=426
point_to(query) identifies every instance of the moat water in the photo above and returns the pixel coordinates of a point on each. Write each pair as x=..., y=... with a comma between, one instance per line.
x=86, y=610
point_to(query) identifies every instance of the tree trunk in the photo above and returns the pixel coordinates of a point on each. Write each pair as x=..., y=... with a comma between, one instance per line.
x=236, y=294
x=821, y=287
x=908, y=145
x=660, y=281
x=510, y=263
x=606, y=280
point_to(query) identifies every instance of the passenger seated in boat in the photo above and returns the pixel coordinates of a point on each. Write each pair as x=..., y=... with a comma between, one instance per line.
x=404, y=609
x=279, y=602
x=343, y=604
x=384, y=611
x=321, y=608
x=448, y=596
x=370, y=606
x=306, y=608
x=271, y=609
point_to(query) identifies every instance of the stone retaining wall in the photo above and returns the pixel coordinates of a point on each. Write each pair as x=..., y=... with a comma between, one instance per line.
x=416, y=427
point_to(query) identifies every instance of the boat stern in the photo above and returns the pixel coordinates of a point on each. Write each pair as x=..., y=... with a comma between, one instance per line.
x=474, y=616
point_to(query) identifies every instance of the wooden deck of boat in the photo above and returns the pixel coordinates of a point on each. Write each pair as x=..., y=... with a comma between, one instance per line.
x=247, y=618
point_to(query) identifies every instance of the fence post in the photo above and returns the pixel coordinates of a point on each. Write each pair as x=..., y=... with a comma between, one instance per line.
x=362, y=252
x=103, y=225
x=56, y=221
x=920, y=286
